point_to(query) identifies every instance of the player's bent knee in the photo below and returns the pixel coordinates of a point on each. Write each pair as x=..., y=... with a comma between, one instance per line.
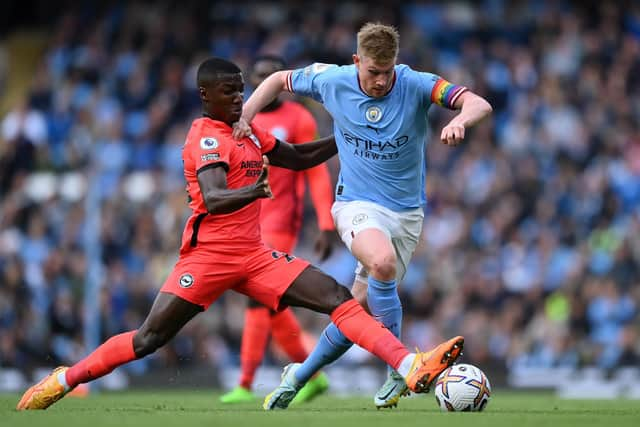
x=146, y=342
x=382, y=265
x=383, y=269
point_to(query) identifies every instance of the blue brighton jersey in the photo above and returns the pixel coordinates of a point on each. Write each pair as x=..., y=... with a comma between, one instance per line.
x=381, y=141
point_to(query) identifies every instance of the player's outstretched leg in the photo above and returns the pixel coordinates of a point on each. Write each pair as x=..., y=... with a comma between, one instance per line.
x=46, y=392
x=116, y=351
x=315, y=290
x=167, y=316
x=418, y=371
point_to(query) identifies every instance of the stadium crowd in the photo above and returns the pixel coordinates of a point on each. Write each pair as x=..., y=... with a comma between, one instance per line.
x=531, y=243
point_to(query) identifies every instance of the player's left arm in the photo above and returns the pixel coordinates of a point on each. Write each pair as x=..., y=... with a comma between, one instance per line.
x=473, y=108
x=303, y=156
x=219, y=199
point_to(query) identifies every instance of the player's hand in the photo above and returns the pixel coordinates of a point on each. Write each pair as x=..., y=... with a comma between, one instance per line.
x=262, y=184
x=241, y=129
x=324, y=244
x=452, y=134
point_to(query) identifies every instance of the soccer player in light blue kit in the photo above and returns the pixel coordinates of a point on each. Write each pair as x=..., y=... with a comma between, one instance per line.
x=379, y=109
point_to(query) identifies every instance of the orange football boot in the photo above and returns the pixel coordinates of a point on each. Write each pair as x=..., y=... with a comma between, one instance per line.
x=426, y=367
x=45, y=393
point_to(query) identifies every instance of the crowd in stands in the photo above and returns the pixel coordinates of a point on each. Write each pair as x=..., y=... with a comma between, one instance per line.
x=531, y=241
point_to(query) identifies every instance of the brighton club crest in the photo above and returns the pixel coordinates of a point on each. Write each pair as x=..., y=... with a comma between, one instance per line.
x=186, y=280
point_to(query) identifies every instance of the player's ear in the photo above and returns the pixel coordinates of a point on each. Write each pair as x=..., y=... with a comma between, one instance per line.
x=203, y=93
x=356, y=59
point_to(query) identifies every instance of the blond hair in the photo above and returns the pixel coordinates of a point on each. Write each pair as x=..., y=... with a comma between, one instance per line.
x=379, y=42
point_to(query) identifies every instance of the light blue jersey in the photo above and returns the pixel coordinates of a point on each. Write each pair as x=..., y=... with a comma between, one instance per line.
x=381, y=141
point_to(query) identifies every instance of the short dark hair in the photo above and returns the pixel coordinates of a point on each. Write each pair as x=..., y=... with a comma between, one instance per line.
x=271, y=58
x=211, y=69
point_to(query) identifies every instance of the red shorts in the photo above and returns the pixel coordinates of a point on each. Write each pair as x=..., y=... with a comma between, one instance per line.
x=282, y=241
x=261, y=273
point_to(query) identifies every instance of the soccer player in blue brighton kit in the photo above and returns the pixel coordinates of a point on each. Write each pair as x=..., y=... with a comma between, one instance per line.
x=379, y=109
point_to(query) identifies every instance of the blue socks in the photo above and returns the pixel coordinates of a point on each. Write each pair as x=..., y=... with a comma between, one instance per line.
x=384, y=304
x=331, y=345
x=385, y=307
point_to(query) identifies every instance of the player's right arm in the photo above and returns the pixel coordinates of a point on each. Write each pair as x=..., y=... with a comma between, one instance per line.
x=220, y=200
x=473, y=108
x=266, y=92
x=308, y=81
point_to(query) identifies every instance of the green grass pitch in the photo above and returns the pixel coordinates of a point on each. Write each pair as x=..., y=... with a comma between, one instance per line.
x=201, y=408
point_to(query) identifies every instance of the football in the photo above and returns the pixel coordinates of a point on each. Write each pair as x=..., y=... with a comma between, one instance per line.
x=462, y=387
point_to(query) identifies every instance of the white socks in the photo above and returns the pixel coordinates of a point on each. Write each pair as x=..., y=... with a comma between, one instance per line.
x=406, y=363
x=62, y=379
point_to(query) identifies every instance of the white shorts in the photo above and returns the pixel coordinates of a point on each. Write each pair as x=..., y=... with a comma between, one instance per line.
x=402, y=228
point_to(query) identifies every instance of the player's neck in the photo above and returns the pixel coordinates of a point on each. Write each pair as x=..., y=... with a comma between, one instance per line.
x=209, y=116
x=274, y=105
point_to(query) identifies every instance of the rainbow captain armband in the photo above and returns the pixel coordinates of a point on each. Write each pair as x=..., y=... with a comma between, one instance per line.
x=445, y=94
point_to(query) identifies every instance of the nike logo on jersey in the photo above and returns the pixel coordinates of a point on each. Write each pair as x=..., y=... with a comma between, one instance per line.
x=371, y=127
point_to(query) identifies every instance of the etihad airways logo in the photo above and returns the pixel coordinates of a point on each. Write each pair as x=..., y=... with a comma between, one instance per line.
x=388, y=149
x=382, y=146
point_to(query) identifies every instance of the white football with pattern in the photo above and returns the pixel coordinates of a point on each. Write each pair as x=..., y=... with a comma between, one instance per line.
x=462, y=388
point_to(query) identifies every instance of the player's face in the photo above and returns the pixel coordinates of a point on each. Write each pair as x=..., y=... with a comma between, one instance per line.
x=261, y=70
x=375, y=78
x=225, y=96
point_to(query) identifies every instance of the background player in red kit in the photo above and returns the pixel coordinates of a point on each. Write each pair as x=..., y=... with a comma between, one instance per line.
x=222, y=250
x=280, y=223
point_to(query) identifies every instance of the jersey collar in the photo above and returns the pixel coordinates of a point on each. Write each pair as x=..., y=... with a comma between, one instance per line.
x=205, y=116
